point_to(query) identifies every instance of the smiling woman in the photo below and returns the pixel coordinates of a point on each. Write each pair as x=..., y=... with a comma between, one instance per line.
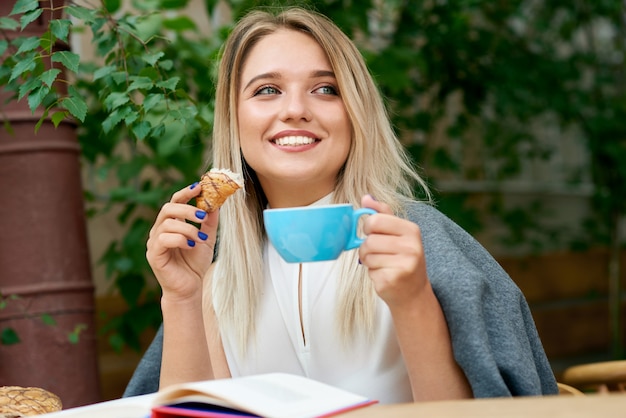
x=293, y=126
x=419, y=312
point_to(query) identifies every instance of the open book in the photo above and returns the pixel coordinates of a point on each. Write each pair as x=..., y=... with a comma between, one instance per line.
x=274, y=395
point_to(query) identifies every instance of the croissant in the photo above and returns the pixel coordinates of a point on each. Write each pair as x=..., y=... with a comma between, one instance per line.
x=217, y=185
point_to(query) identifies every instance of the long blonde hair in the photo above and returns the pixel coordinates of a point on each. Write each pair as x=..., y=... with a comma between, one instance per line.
x=377, y=164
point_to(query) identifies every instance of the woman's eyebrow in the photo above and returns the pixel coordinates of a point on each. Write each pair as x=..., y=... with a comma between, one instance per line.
x=277, y=75
x=272, y=75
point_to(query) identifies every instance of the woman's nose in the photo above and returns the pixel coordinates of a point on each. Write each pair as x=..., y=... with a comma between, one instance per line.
x=295, y=106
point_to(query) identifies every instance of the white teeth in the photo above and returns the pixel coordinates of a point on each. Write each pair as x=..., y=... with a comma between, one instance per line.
x=294, y=140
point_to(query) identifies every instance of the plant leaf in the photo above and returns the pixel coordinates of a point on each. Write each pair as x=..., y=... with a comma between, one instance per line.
x=179, y=23
x=151, y=101
x=60, y=28
x=30, y=17
x=141, y=130
x=152, y=58
x=27, y=87
x=9, y=337
x=140, y=83
x=58, y=117
x=29, y=44
x=82, y=13
x=48, y=319
x=75, y=104
x=8, y=24
x=23, y=65
x=115, y=117
x=74, y=336
x=41, y=120
x=69, y=59
x=49, y=76
x=103, y=72
x=112, y=6
x=115, y=100
x=169, y=84
x=23, y=6
x=36, y=96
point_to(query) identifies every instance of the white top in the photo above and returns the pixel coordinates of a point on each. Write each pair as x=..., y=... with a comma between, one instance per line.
x=372, y=368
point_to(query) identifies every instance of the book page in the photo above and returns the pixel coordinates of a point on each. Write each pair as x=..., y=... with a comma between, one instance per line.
x=274, y=394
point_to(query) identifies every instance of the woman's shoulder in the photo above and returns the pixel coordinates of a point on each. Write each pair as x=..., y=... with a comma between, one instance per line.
x=448, y=247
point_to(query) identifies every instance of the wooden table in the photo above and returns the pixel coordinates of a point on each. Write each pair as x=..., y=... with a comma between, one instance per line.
x=563, y=406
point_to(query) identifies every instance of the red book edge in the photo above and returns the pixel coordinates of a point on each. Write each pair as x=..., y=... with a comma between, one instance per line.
x=165, y=411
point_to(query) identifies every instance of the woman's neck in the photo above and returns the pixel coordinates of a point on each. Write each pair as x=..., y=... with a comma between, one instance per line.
x=283, y=198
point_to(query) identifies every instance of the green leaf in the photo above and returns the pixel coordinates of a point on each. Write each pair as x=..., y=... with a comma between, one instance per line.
x=29, y=44
x=115, y=100
x=74, y=336
x=75, y=104
x=23, y=6
x=119, y=77
x=28, y=86
x=9, y=337
x=29, y=17
x=82, y=13
x=103, y=72
x=138, y=83
x=69, y=59
x=169, y=84
x=112, y=6
x=179, y=24
x=41, y=120
x=141, y=130
x=8, y=24
x=22, y=66
x=49, y=76
x=36, y=97
x=47, y=41
x=130, y=118
x=48, y=319
x=170, y=142
x=151, y=101
x=152, y=58
x=60, y=28
x=58, y=117
x=174, y=4
x=3, y=46
x=115, y=117
x=166, y=64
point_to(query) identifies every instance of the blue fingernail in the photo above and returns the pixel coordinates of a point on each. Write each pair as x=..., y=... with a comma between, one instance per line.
x=200, y=214
x=360, y=261
x=191, y=243
x=373, y=197
x=202, y=235
x=193, y=186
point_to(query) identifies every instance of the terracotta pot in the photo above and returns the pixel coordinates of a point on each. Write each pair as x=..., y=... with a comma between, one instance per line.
x=44, y=258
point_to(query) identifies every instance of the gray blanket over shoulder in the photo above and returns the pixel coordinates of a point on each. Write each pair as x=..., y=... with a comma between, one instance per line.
x=493, y=333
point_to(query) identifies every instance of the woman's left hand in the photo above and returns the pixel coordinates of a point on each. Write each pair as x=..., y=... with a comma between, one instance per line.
x=394, y=254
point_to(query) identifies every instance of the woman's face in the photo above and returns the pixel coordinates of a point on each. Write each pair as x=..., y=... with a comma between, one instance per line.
x=293, y=126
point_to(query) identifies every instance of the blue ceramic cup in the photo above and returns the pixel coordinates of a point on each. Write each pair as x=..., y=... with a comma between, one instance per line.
x=313, y=233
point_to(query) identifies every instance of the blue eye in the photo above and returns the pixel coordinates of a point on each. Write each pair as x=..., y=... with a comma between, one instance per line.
x=327, y=90
x=266, y=90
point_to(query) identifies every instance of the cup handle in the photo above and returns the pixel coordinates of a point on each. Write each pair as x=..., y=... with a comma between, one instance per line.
x=355, y=241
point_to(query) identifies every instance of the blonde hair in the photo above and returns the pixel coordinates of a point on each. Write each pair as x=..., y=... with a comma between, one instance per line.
x=377, y=165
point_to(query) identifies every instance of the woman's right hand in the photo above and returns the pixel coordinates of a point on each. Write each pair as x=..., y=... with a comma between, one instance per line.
x=178, y=252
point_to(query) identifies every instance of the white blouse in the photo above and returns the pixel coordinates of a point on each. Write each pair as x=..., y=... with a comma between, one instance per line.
x=311, y=346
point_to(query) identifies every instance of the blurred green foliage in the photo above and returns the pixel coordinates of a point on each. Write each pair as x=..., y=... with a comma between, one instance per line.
x=146, y=104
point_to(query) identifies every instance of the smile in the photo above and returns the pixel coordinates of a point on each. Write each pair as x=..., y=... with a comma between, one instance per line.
x=294, y=140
